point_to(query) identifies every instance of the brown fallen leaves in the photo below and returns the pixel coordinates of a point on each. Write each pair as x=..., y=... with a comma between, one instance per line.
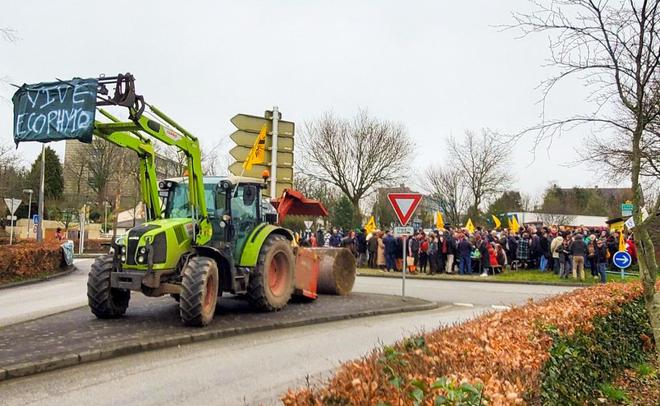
x=502, y=351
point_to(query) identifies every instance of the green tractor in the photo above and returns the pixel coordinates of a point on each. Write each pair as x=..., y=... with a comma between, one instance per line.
x=203, y=235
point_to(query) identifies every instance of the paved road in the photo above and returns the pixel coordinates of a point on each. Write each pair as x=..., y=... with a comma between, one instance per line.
x=29, y=302
x=257, y=368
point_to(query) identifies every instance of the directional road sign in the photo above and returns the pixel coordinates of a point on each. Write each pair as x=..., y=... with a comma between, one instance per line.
x=12, y=204
x=622, y=259
x=283, y=158
x=253, y=124
x=626, y=209
x=35, y=218
x=246, y=139
x=403, y=231
x=284, y=174
x=404, y=205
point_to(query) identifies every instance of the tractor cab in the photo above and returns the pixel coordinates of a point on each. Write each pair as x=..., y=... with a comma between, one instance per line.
x=235, y=208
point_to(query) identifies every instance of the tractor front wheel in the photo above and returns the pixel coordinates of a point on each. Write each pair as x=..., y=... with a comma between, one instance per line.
x=271, y=282
x=104, y=301
x=199, y=291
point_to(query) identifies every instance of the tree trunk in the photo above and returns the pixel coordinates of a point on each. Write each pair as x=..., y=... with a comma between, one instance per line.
x=645, y=251
x=357, y=215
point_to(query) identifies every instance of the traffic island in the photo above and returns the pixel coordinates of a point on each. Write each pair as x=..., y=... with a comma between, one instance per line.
x=76, y=336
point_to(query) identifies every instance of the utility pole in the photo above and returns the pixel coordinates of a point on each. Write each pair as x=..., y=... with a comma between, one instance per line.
x=273, y=154
x=40, y=231
x=29, y=192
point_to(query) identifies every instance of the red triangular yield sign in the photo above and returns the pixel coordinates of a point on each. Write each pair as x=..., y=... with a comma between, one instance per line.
x=404, y=205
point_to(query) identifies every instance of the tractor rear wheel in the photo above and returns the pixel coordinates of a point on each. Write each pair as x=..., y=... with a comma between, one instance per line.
x=104, y=301
x=199, y=291
x=271, y=281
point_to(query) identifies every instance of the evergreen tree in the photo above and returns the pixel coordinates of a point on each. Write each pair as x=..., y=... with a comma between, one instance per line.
x=341, y=214
x=53, y=180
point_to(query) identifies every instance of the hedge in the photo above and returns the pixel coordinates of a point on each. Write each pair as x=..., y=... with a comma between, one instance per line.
x=527, y=355
x=29, y=260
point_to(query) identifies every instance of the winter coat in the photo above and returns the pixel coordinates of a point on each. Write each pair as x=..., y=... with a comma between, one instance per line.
x=390, y=245
x=380, y=259
x=373, y=244
x=578, y=247
x=600, y=254
x=556, y=246
x=361, y=242
x=492, y=255
x=522, y=253
x=464, y=248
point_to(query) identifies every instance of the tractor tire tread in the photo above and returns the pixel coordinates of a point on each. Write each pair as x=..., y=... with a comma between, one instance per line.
x=105, y=302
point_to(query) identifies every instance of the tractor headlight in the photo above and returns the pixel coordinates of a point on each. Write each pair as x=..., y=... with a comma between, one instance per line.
x=143, y=250
x=123, y=258
x=140, y=259
x=123, y=249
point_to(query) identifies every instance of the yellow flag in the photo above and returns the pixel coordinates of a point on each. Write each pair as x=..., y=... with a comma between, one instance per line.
x=497, y=221
x=370, y=227
x=439, y=221
x=514, y=224
x=258, y=152
x=622, y=243
x=469, y=226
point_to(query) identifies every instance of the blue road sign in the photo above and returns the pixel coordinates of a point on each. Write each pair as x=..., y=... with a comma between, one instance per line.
x=622, y=259
x=35, y=219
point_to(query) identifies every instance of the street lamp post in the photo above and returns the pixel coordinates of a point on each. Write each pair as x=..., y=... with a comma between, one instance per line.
x=105, y=215
x=40, y=231
x=29, y=192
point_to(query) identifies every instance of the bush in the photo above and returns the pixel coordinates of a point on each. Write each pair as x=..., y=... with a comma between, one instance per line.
x=581, y=363
x=513, y=357
x=29, y=260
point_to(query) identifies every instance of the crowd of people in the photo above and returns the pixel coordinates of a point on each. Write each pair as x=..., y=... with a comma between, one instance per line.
x=567, y=253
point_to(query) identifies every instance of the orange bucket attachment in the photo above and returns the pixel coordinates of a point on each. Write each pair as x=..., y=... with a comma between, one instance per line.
x=306, y=273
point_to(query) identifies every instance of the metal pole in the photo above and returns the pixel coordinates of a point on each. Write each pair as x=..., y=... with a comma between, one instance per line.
x=29, y=214
x=403, y=271
x=40, y=232
x=81, y=240
x=273, y=154
x=105, y=217
x=11, y=222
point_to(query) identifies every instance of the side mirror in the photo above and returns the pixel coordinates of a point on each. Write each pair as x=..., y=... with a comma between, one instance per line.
x=224, y=185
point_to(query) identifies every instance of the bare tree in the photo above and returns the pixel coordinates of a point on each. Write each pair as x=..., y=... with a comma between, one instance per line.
x=484, y=159
x=614, y=49
x=449, y=191
x=355, y=155
x=554, y=219
x=105, y=163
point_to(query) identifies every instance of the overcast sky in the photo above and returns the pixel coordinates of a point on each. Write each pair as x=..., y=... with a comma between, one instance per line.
x=438, y=67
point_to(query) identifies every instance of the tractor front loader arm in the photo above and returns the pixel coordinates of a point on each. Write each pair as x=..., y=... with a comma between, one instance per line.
x=145, y=152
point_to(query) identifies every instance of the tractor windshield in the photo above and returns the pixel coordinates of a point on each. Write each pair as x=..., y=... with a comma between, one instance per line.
x=178, y=204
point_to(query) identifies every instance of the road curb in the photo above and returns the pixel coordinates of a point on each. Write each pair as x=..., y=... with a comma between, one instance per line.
x=66, y=360
x=69, y=269
x=480, y=280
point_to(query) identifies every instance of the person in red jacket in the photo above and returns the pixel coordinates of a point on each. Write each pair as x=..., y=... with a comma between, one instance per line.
x=492, y=256
x=631, y=248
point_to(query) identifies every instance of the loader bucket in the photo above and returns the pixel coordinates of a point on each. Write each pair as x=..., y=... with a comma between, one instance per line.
x=307, y=273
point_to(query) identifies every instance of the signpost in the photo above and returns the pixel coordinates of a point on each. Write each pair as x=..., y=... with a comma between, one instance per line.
x=279, y=148
x=12, y=205
x=404, y=205
x=622, y=260
x=626, y=209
